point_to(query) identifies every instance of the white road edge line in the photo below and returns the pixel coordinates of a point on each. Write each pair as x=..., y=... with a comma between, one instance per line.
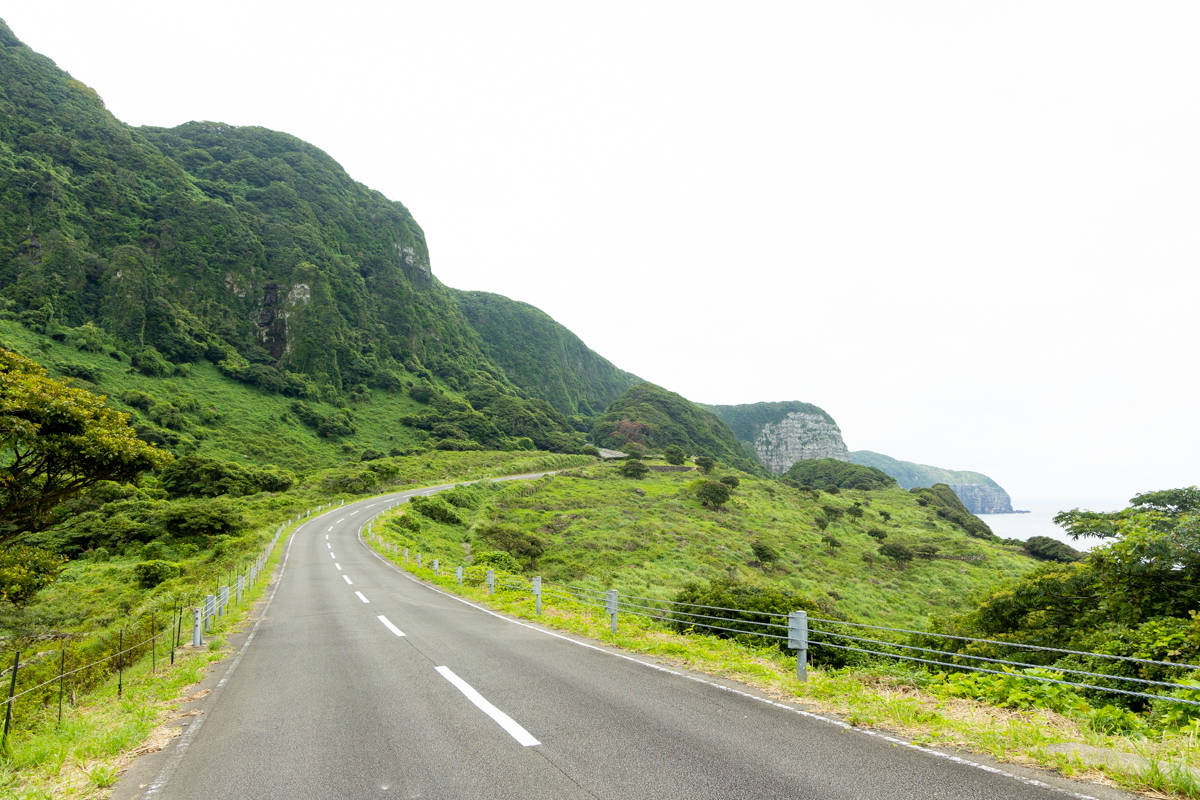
x=360, y=597
x=503, y=720
x=390, y=626
x=347, y=579
x=784, y=706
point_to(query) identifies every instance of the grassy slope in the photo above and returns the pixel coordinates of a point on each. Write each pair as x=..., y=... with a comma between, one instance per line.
x=911, y=475
x=601, y=532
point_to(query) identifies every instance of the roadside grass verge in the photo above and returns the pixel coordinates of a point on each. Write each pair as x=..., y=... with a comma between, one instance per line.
x=100, y=734
x=882, y=695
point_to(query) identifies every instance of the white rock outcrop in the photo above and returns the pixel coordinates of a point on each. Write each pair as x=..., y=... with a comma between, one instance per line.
x=797, y=437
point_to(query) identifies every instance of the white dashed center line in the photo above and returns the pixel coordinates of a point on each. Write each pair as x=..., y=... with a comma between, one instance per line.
x=330, y=528
x=339, y=566
x=360, y=597
x=503, y=720
x=347, y=579
x=390, y=626
x=352, y=513
x=372, y=506
x=331, y=555
x=327, y=536
x=337, y=522
x=327, y=544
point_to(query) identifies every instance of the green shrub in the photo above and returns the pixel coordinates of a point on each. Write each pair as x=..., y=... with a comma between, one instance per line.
x=838, y=474
x=1043, y=548
x=705, y=464
x=371, y=455
x=886, y=516
x=713, y=493
x=1012, y=690
x=854, y=511
x=897, y=552
x=511, y=539
x=151, y=573
x=408, y=522
x=200, y=518
x=633, y=468
x=588, y=450
x=821, y=522
x=877, y=533
x=497, y=560
x=25, y=571
x=82, y=371
x=832, y=488
x=732, y=481
x=830, y=542
x=435, y=509
x=674, y=454
x=764, y=552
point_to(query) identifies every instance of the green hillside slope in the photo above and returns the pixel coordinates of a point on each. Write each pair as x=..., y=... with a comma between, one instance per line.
x=541, y=356
x=912, y=476
x=653, y=417
x=747, y=419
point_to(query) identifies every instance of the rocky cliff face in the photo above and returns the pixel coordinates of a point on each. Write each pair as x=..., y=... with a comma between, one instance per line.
x=796, y=437
x=981, y=499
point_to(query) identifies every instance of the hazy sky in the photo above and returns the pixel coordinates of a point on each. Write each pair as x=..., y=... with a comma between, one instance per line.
x=969, y=231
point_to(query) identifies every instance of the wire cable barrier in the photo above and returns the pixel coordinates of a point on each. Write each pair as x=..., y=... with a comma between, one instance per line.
x=772, y=626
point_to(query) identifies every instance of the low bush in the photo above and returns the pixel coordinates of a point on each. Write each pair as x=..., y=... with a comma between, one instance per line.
x=151, y=573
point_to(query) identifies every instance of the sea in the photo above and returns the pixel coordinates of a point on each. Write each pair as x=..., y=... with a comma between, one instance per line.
x=1040, y=519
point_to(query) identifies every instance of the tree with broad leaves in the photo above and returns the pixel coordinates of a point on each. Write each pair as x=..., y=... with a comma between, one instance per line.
x=56, y=441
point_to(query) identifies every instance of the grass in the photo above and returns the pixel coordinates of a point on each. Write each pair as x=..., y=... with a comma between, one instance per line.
x=101, y=733
x=884, y=695
x=649, y=537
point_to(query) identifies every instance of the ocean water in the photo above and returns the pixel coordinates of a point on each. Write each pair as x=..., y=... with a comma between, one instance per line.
x=1040, y=520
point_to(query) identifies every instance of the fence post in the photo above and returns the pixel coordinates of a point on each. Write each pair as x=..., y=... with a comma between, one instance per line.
x=62, y=671
x=210, y=605
x=406, y=555
x=197, y=627
x=537, y=593
x=418, y=560
x=458, y=574
x=436, y=566
x=153, y=644
x=120, y=661
x=240, y=586
x=610, y=605
x=491, y=581
x=12, y=689
x=798, y=641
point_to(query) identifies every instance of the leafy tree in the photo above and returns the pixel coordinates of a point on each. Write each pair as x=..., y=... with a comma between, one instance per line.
x=946, y=505
x=821, y=522
x=705, y=464
x=590, y=450
x=926, y=551
x=187, y=519
x=732, y=481
x=855, y=511
x=886, y=516
x=633, y=468
x=197, y=476
x=897, y=552
x=830, y=542
x=876, y=533
x=370, y=454
x=832, y=489
x=56, y=441
x=764, y=552
x=870, y=558
x=436, y=509
x=713, y=494
x=832, y=512
x=25, y=570
x=674, y=454
x=151, y=573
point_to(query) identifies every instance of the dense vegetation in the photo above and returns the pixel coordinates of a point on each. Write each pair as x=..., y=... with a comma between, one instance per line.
x=946, y=505
x=748, y=419
x=914, y=476
x=822, y=472
x=651, y=417
x=541, y=356
x=1136, y=594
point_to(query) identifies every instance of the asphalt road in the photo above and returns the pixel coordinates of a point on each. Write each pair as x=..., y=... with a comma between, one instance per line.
x=360, y=682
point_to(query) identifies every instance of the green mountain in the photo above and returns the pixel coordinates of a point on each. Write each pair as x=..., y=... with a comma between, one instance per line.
x=979, y=493
x=541, y=356
x=779, y=435
x=653, y=417
x=245, y=248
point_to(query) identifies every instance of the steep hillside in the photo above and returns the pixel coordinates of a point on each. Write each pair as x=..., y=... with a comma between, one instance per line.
x=241, y=245
x=541, y=356
x=780, y=434
x=652, y=417
x=979, y=493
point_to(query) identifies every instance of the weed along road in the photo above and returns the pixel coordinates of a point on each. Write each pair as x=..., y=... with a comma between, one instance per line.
x=360, y=682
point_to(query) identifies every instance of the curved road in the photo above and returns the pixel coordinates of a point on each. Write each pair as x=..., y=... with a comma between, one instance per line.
x=360, y=682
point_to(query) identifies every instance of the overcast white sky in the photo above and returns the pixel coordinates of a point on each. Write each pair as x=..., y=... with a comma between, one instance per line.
x=969, y=231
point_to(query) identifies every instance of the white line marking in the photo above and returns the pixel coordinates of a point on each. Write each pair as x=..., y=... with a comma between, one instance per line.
x=390, y=626
x=339, y=566
x=352, y=513
x=331, y=555
x=360, y=597
x=371, y=506
x=330, y=528
x=327, y=537
x=347, y=579
x=784, y=706
x=503, y=720
x=337, y=522
x=327, y=544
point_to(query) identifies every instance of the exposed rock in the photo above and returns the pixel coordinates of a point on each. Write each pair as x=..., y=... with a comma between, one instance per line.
x=796, y=437
x=983, y=499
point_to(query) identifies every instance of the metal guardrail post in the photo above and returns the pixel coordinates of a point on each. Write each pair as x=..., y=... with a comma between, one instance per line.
x=610, y=605
x=12, y=689
x=224, y=604
x=210, y=608
x=458, y=574
x=418, y=560
x=537, y=593
x=406, y=555
x=197, y=627
x=798, y=641
x=435, y=568
x=491, y=581
x=240, y=587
